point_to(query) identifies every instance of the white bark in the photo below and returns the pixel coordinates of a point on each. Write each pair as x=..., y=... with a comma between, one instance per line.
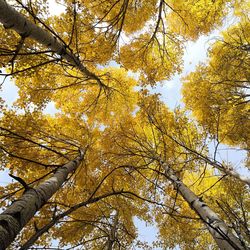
x=216, y=226
x=232, y=172
x=16, y=216
x=221, y=167
x=112, y=235
x=11, y=19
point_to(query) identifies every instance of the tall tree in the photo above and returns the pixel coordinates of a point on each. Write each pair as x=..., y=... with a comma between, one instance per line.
x=10, y=18
x=14, y=218
x=146, y=149
x=218, y=93
x=93, y=33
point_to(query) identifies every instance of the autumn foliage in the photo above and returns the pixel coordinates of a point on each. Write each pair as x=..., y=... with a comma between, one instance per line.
x=114, y=153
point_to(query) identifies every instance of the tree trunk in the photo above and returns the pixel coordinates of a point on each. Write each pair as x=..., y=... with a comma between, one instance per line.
x=221, y=167
x=16, y=216
x=112, y=236
x=217, y=227
x=230, y=171
x=11, y=19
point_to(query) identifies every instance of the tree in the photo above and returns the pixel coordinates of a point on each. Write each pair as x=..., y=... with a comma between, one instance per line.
x=17, y=215
x=145, y=144
x=140, y=159
x=220, y=102
x=56, y=146
x=27, y=29
x=156, y=53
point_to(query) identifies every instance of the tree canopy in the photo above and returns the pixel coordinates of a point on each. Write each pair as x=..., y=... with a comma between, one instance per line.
x=114, y=152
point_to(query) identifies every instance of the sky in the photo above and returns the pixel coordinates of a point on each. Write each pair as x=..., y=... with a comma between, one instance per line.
x=195, y=52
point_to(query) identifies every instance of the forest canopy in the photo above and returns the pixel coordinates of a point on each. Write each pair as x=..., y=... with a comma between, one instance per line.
x=114, y=152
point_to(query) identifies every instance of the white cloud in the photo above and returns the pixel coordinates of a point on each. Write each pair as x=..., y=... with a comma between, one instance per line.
x=9, y=91
x=56, y=8
x=169, y=84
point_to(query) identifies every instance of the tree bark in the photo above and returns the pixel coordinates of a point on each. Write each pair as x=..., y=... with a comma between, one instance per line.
x=112, y=236
x=216, y=226
x=11, y=19
x=221, y=167
x=16, y=216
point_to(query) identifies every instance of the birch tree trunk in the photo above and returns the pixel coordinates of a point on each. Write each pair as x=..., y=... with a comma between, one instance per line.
x=112, y=236
x=11, y=19
x=16, y=216
x=221, y=167
x=216, y=226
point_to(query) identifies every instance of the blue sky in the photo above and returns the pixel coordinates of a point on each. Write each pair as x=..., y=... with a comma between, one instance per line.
x=195, y=52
